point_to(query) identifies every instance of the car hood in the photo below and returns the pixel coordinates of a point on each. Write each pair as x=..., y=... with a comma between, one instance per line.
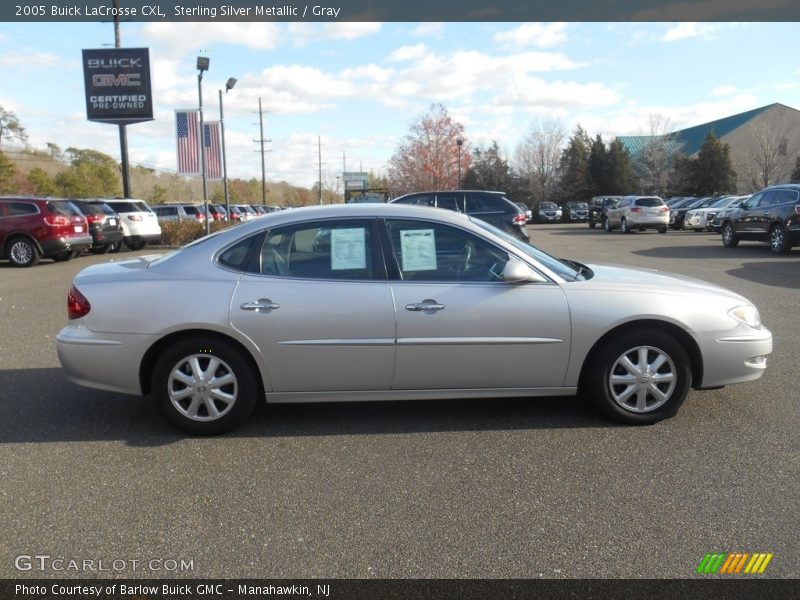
x=637, y=279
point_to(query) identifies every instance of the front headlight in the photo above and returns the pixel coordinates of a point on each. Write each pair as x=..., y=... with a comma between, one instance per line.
x=747, y=314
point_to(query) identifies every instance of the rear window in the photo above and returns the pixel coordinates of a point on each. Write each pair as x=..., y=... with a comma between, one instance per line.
x=127, y=207
x=89, y=209
x=65, y=209
x=649, y=202
x=191, y=210
x=477, y=203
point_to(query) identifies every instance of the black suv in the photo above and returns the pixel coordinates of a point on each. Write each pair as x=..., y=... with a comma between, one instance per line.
x=597, y=208
x=492, y=207
x=104, y=224
x=771, y=215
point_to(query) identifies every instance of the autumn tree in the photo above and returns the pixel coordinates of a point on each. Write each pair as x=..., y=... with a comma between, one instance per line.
x=428, y=157
x=10, y=127
x=538, y=157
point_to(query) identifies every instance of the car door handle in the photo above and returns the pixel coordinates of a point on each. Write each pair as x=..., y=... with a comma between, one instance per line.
x=264, y=304
x=424, y=305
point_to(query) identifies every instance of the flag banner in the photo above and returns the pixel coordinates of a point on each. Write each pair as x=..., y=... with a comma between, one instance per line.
x=211, y=139
x=187, y=130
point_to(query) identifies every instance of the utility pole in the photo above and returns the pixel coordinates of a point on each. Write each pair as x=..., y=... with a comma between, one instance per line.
x=319, y=162
x=344, y=164
x=123, y=133
x=262, y=141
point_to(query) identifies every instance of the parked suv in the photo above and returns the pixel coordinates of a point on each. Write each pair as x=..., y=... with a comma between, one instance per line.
x=638, y=212
x=771, y=215
x=575, y=212
x=492, y=207
x=32, y=228
x=139, y=223
x=179, y=212
x=547, y=212
x=104, y=225
x=597, y=208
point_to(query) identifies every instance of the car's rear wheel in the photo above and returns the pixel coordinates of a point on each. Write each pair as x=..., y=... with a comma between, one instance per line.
x=640, y=377
x=22, y=252
x=115, y=247
x=204, y=386
x=662, y=229
x=65, y=256
x=101, y=249
x=135, y=244
x=778, y=242
x=729, y=237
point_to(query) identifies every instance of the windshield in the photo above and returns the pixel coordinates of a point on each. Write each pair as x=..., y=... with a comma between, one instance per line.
x=562, y=269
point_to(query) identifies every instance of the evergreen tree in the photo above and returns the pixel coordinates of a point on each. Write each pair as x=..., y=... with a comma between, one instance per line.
x=42, y=182
x=574, y=167
x=714, y=174
x=620, y=179
x=682, y=179
x=598, y=167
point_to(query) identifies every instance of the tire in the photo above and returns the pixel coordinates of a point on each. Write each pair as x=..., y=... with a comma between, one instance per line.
x=729, y=239
x=622, y=383
x=65, y=256
x=662, y=229
x=607, y=225
x=179, y=385
x=135, y=244
x=592, y=224
x=115, y=247
x=101, y=249
x=22, y=252
x=777, y=240
x=623, y=226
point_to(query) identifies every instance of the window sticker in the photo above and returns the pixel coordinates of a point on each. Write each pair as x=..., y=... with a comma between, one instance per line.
x=348, y=249
x=418, y=247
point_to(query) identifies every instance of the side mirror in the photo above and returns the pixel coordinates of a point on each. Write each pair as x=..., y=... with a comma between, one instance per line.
x=516, y=271
x=746, y=206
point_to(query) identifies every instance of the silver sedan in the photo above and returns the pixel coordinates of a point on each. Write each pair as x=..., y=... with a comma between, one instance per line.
x=381, y=302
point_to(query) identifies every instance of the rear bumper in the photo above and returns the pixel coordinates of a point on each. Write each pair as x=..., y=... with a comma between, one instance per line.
x=65, y=243
x=635, y=221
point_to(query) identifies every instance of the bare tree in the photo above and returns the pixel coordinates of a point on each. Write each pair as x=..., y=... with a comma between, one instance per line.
x=654, y=161
x=773, y=145
x=538, y=155
x=10, y=127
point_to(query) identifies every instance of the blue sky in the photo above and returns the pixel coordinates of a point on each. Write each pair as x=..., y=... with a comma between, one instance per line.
x=360, y=85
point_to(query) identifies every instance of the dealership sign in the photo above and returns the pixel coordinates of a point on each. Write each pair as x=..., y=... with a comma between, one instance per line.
x=117, y=82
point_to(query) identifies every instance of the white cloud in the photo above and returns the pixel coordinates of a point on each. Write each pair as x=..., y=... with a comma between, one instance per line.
x=534, y=93
x=408, y=53
x=540, y=35
x=683, y=31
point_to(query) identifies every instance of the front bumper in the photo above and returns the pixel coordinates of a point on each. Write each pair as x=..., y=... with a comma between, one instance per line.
x=734, y=357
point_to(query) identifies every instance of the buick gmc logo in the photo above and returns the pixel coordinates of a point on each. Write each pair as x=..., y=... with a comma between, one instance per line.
x=111, y=80
x=114, y=63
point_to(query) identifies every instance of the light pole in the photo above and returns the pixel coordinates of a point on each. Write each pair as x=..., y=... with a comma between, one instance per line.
x=202, y=65
x=228, y=86
x=459, y=142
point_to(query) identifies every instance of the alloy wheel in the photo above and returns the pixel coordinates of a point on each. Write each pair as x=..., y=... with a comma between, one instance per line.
x=21, y=252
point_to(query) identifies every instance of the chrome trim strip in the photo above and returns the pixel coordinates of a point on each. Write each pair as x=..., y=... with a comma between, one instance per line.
x=432, y=394
x=471, y=341
x=340, y=342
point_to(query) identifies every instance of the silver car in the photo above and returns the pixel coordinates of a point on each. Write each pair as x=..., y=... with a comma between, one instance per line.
x=381, y=302
x=637, y=212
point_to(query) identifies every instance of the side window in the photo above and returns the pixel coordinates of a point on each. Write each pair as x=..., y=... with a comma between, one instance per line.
x=768, y=199
x=427, y=251
x=483, y=203
x=324, y=250
x=450, y=201
x=786, y=196
x=418, y=200
x=17, y=209
x=754, y=200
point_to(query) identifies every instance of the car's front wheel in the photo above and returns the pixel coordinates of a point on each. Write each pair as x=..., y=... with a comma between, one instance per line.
x=662, y=229
x=623, y=226
x=640, y=377
x=729, y=238
x=607, y=225
x=204, y=386
x=592, y=224
x=777, y=239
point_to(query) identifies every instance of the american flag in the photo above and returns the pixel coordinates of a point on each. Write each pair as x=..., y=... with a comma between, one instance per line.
x=187, y=129
x=213, y=150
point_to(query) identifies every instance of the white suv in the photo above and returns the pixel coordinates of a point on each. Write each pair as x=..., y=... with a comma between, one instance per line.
x=638, y=212
x=139, y=223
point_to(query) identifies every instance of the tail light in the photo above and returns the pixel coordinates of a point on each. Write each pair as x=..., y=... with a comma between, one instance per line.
x=797, y=208
x=637, y=209
x=96, y=218
x=77, y=304
x=199, y=217
x=519, y=220
x=135, y=217
x=57, y=221
x=664, y=209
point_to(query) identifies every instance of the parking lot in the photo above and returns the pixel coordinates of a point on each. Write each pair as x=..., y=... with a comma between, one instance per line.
x=510, y=488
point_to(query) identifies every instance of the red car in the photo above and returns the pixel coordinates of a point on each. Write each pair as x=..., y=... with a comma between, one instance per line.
x=32, y=228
